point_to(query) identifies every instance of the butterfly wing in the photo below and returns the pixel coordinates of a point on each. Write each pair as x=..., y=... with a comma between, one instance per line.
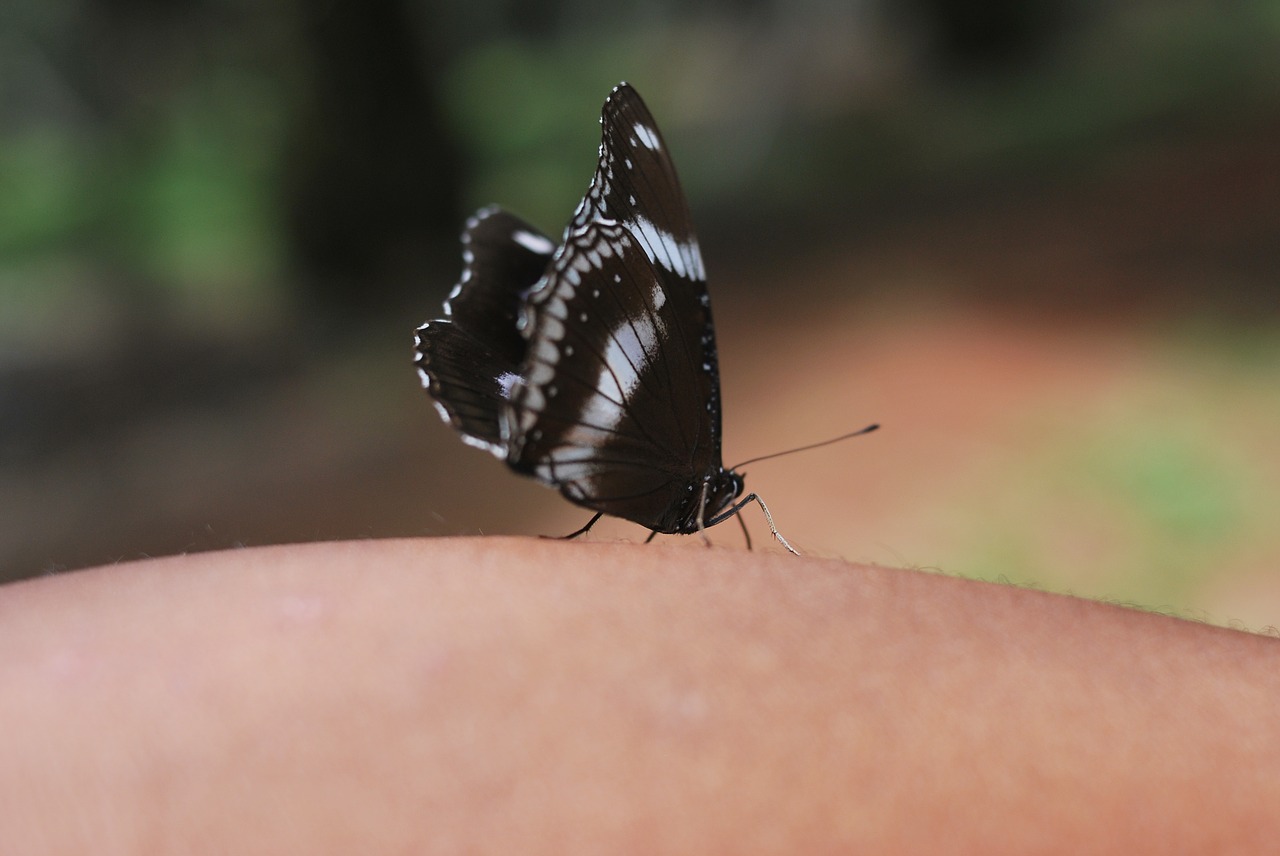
x=619, y=401
x=471, y=359
x=592, y=366
x=636, y=184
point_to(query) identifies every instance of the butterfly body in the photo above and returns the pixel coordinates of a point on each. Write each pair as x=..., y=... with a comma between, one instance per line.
x=590, y=365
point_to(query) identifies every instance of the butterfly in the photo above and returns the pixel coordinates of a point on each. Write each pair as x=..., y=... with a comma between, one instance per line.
x=590, y=365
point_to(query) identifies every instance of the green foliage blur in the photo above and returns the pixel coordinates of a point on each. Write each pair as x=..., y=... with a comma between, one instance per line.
x=144, y=154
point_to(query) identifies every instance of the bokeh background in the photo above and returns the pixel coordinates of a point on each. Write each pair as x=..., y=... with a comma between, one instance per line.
x=1038, y=241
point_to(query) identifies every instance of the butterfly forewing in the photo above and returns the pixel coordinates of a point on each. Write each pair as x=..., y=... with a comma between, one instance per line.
x=636, y=184
x=470, y=360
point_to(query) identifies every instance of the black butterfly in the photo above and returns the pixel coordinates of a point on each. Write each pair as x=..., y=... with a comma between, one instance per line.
x=591, y=365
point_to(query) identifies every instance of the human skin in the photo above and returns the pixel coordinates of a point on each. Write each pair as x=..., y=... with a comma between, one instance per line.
x=524, y=696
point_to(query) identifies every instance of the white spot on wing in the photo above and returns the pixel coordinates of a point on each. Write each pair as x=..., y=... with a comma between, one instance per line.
x=647, y=137
x=659, y=297
x=506, y=382
x=498, y=451
x=627, y=354
x=533, y=243
x=662, y=248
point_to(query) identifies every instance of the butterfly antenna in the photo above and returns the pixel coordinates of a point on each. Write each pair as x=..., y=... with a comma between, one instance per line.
x=857, y=433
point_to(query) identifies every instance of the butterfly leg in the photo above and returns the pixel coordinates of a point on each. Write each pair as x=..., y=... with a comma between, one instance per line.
x=584, y=529
x=702, y=507
x=769, y=519
x=745, y=533
x=652, y=535
x=750, y=498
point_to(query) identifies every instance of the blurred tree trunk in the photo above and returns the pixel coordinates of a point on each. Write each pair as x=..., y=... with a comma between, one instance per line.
x=373, y=178
x=996, y=36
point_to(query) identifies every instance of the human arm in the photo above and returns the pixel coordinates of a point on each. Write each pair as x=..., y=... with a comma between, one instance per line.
x=530, y=696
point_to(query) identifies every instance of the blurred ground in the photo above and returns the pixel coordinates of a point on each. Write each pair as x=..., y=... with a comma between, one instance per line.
x=1094, y=439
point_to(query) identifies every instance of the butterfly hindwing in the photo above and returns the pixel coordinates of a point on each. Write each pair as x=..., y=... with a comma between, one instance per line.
x=470, y=360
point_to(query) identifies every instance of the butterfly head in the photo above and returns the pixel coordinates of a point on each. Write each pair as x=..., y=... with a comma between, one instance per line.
x=727, y=486
x=705, y=500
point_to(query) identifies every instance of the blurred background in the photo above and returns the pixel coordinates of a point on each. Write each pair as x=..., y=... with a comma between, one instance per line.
x=1038, y=241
